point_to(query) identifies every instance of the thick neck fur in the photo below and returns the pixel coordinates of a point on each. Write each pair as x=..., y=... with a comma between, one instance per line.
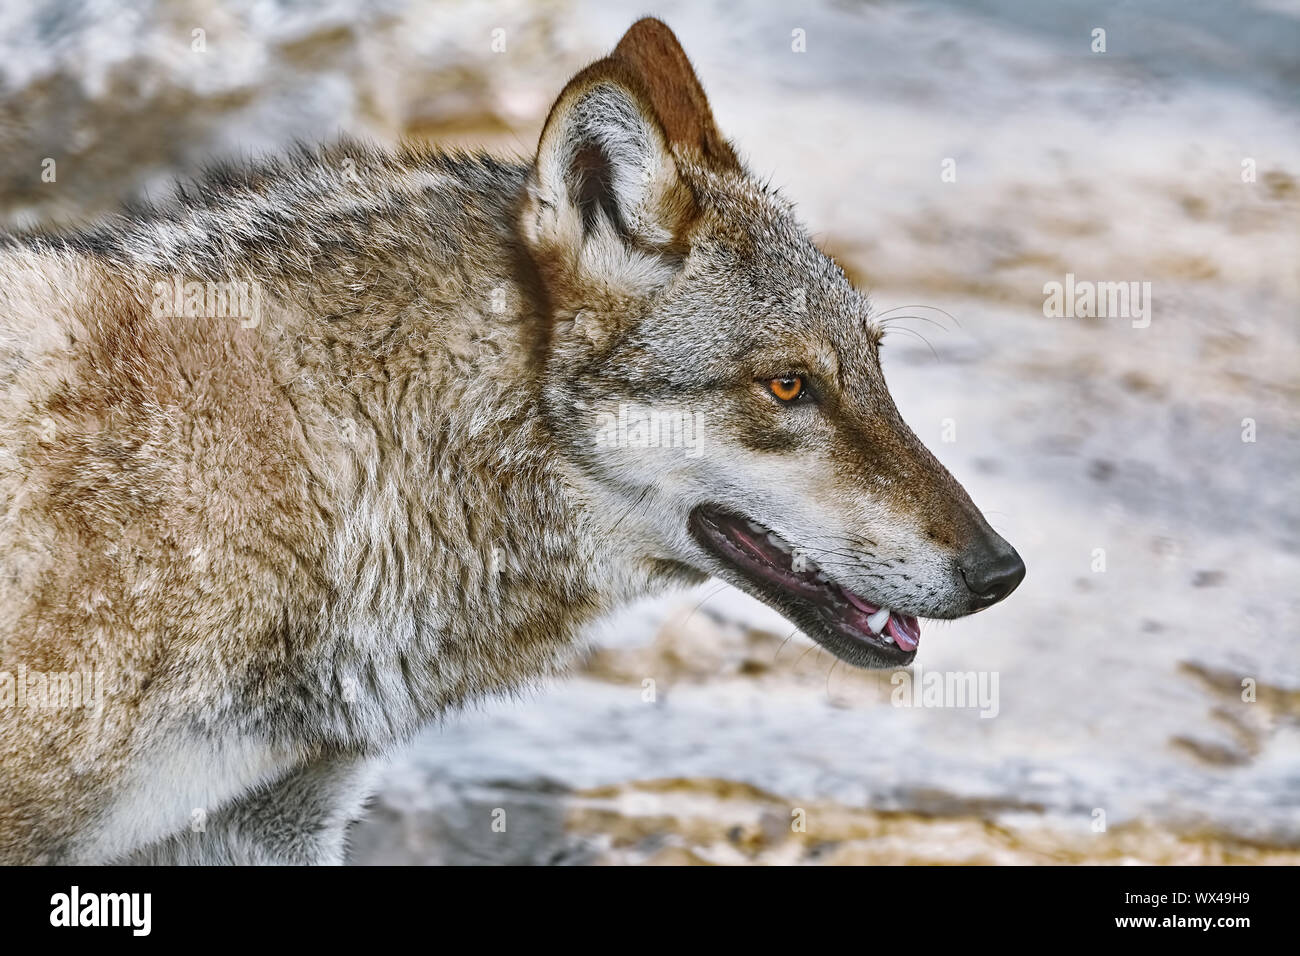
x=444, y=551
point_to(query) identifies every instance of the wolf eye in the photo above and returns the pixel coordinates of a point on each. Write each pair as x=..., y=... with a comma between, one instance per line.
x=788, y=389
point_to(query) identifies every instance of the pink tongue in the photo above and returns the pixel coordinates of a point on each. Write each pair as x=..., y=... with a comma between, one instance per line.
x=860, y=604
x=895, y=630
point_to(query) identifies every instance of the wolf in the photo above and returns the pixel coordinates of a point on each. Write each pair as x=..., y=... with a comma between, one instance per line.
x=292, y=524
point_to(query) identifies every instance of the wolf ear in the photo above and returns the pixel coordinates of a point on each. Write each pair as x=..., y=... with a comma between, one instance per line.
x=605, y=164
x=653, y=53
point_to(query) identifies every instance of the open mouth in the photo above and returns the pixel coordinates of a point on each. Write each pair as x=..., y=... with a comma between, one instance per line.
x=781, y=575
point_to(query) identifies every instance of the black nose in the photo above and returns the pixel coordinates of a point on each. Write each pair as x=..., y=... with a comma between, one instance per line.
x=992, y=570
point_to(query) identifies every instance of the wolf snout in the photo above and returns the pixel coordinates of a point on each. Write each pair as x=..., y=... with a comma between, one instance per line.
x=991, y=569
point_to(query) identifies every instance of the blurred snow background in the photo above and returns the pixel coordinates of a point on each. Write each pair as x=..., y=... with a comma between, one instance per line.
x=1119, y=691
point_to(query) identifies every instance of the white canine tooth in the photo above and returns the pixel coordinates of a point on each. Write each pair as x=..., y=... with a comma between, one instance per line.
x=887, y=639
x=878, y=620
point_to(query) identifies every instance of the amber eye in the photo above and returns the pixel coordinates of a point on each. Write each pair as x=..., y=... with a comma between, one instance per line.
x=786, y=389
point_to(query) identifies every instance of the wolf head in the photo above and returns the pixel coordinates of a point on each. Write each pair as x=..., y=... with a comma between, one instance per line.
x=715, y=379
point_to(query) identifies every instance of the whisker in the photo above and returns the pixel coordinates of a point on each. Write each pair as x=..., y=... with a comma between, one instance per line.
x=635, y=505
x=887, y=323
x=865, y=543
x=918, y=335
x=782, y=645
x=716, y=591
x=839, y=552
x=828, y=678
x=918, y=305
x=811, y=647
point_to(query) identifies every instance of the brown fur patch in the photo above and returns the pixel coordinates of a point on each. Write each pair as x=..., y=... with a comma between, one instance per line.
x=674, y=91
